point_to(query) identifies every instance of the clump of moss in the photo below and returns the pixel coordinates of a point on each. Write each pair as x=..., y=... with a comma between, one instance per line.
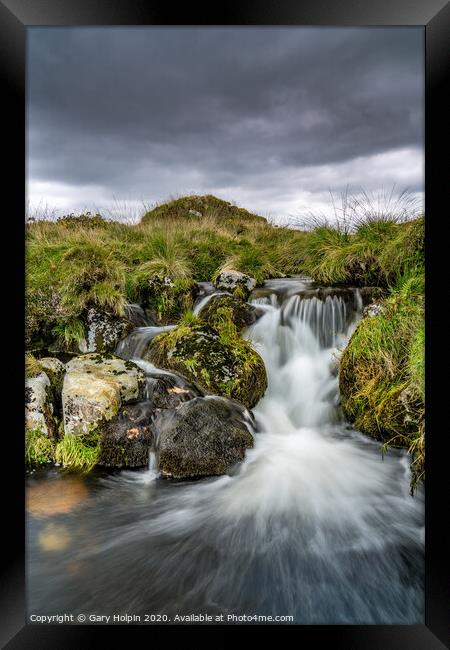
x=381, y=371
x=79, y=452
x=39, y=448
x=239, y=312
x=214, y=357
x=32, y=366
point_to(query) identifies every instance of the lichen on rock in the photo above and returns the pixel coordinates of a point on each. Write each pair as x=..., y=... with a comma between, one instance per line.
x=232, y=280
x=39, y=405
x=104, y=331
x=95, y=386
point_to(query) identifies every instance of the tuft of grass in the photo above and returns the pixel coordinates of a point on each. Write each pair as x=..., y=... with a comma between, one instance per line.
x=377, y=253
x=79, y=452
x=188, y=319
x=32, y=366
x=39, y=448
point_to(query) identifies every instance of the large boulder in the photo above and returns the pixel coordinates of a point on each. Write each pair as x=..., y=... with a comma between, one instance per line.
x=203, y=437
x=126, y=439
x=231, y=280
x=39, y=405
x=242, y=313
x=95, y=386
x=104, y=331
x=217, y=361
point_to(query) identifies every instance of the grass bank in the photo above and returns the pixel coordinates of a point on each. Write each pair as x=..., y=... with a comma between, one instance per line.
x=78, y=262
x=82, y=261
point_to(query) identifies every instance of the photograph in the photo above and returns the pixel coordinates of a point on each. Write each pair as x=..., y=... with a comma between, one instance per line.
x=225, y=325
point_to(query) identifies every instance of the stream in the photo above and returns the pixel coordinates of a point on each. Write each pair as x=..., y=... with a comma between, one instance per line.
x=316, y=523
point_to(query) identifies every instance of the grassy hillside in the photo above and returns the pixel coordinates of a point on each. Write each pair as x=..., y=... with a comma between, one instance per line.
x=82, y=261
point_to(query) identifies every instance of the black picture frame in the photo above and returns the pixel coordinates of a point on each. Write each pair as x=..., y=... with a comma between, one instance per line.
x=15, y=17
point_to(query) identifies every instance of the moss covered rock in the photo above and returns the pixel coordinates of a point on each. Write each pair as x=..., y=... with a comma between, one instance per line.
x=95, y=386
x=103, y=331
x=242, y=314
x=203, y=437
x=214, y=358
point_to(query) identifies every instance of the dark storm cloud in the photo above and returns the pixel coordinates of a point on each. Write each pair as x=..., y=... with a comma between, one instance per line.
x=149, y=112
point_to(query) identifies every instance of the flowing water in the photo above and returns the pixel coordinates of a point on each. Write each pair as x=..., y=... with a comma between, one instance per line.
x=315, y=524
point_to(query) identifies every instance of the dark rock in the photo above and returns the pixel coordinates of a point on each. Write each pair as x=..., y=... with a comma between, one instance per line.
x=127, y=438
x=203, y=437
x=139, y=317
x=168, y=392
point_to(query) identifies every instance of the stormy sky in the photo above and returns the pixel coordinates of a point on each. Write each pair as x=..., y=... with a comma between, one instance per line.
x=272, y=119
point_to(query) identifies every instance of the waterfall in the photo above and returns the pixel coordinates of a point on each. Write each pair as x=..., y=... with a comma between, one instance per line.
x=136, y=343
x=205, y=300
x=314, y=523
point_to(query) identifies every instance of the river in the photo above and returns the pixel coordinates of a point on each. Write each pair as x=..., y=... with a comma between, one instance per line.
x=316, y=523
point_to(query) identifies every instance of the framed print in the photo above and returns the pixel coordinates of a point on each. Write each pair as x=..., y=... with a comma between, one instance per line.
x=226, y=299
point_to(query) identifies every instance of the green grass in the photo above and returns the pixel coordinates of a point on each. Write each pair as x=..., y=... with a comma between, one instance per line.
x=382, y=371
x=79, y=452
x=78, y=262
x=375, y=254
x=32, y=366
x=39, y=448
x=83, y=261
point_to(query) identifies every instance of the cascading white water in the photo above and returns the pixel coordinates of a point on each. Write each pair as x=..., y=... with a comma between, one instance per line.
x=314, y=523
x=205, y=300
x=136, y=343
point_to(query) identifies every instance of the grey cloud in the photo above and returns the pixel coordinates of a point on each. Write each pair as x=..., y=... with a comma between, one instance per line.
x=128, y=108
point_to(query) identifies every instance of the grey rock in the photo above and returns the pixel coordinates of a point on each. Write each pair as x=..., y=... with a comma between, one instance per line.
x=38, y=404
x=231, y=279
x=95, y=387
x=374, y=309
x=104, y=331
x=206, y=436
